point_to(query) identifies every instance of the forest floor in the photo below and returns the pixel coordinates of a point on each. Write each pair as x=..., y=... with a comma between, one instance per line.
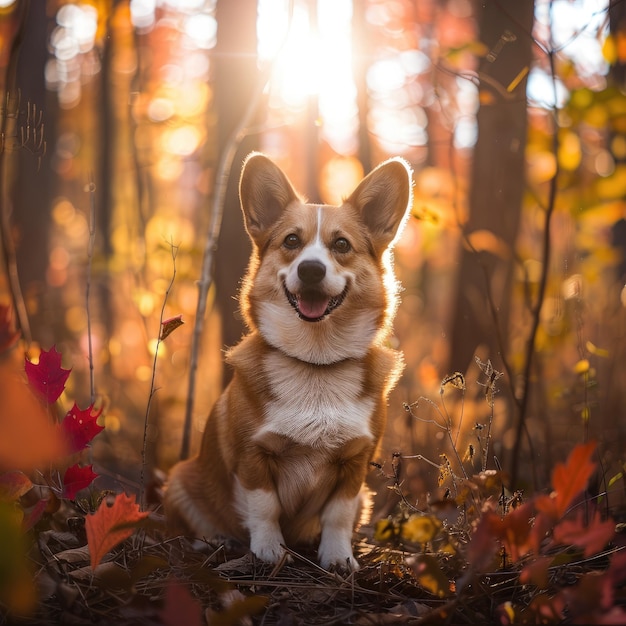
x=152, y=579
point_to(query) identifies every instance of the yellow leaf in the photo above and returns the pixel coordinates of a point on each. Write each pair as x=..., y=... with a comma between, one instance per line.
x=420, y=528
x=609, y=50
x=429, y=575
x=582, y=367
x=384, y=530
x=570, y=153
x=593, y=349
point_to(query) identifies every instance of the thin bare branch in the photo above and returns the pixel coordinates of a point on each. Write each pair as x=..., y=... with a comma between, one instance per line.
x=153, y=389
x=543, y=281
x=91, y=188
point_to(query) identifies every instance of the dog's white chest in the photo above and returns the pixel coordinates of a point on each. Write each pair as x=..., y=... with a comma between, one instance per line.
x=316, y=406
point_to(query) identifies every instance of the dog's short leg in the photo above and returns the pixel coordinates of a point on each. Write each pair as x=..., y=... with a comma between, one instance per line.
x=338, y=519
x=261, y=512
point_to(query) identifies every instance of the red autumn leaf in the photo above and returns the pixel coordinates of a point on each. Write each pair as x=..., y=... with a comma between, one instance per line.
x=13, y=485
x=568, y=480
x=80, y=427
x=8, y=334
x=180, y=607
x=513, y=531
x=77, y=478
x=47, y=377
x=617, y=569
x=536, y=572
x=482, y=547
x=170, y=325
x=592, y=538
x=102, y=534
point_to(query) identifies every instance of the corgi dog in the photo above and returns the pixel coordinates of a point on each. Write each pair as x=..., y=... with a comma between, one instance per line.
x=287, y=446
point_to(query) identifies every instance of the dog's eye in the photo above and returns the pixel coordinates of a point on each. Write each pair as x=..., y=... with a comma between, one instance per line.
x=342, y=245
x=292, y=241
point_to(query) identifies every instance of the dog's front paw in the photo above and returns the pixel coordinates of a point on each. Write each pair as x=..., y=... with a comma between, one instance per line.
x=337, y=555
x=268, y=548
x=340, y=563
x=270, y=554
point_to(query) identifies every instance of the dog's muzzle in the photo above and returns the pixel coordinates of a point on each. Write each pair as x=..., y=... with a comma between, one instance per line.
x=311, y=303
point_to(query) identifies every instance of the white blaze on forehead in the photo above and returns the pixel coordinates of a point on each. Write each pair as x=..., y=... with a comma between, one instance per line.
x=315, y=250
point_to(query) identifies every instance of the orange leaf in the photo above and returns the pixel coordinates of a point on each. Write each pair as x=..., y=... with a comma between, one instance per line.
x=13, y=485
x=28, y=437
x=568, y=480
x=513, y=531
x=102, y=534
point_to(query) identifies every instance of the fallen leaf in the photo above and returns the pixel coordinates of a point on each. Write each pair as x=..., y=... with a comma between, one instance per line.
x=79, y=426
x=47, y=376
x=238, y=609
x=180, y=607
x=428, y=574
x=77, y=478
x=73, y=555
x=102, y=534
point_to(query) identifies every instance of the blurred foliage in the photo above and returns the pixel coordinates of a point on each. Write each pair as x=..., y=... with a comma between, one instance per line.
x=130, y=129
x=109, y=157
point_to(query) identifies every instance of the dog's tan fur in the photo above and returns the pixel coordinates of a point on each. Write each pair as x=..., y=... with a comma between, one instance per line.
x=287, y=446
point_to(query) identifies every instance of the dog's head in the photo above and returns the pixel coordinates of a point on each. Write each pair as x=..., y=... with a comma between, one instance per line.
x=320, y=286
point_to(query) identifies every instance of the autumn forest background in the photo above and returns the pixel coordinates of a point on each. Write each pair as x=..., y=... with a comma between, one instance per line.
x=124, y=125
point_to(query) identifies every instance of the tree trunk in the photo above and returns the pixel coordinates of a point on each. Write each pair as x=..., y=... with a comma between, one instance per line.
x=31, y=193
x=497, y=184
x=235, y=83
x=359, y=71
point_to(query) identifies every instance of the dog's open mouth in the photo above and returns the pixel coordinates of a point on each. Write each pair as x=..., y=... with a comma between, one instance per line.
x=313, y=305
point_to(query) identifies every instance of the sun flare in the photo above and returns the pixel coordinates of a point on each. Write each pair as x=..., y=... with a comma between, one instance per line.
x=310, y=48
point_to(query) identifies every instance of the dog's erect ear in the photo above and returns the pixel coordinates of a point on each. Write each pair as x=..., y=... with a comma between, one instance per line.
x=382, y=199
x=264, y=192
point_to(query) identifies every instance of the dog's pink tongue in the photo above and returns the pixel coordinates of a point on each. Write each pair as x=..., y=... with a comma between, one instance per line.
x=312, y=308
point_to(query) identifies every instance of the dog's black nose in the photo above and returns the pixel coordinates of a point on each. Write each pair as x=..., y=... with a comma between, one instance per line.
x=311, y=272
